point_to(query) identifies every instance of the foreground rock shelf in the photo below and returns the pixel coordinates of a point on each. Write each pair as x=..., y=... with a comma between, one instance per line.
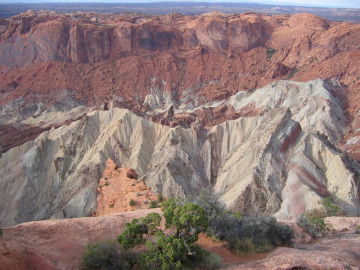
x=58, y=244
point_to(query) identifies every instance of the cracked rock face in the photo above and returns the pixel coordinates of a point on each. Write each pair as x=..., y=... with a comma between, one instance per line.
x=281, y=159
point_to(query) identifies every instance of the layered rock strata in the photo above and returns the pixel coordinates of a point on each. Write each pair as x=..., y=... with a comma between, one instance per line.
x=142, y=62
x=280, y=159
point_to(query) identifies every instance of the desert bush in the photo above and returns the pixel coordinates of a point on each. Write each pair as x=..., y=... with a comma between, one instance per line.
x=132, y=202
x=218, y=217
x=292, y=73
x=107, y=255
x=209, y=260
x=312, y=224
x=357, y=229
x=283, y=234
x=263, y=232
x=243, y=246
x=270, y=52
x=331, y=208
x=160, y=198
x=153, y=204
x=316, y=212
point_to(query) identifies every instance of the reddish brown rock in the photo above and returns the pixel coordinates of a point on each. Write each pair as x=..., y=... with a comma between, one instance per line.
x=58, y=244
x=118, y=187
x=206, y=57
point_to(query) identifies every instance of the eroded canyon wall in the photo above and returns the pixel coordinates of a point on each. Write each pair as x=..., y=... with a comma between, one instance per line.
x=280, y=160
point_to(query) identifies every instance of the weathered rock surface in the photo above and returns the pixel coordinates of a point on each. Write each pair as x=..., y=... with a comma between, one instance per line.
x=280, y=159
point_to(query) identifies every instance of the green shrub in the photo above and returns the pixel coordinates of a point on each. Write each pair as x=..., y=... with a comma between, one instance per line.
x=1, y=232
x=134, y=231
x=357, y=229
x=173, y=251
x=243, y=246
x=209, y=261
x=132, y=202
x=331, y=208
x=316, y=212
x=153, y=204
x=270, y=52
x=319, y=224
x=314, y=225
x=133, y=234
x=292, y=73
x=236, y=228
x=160, y=198
x=283, y=234
x=107, y=255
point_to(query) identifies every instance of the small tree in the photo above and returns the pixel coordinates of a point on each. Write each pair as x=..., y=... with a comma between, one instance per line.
x=168, y=251
x=134, y=231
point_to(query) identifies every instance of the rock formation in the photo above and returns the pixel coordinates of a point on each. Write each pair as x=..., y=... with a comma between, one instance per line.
x=141, y=63
x=280, y=159
x=119, y=191
x=186, y=101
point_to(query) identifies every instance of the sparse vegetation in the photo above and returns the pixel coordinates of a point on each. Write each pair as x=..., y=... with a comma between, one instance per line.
x=210, y=261
x=153, y=204
x=160, y=198
x=1, y=232
x=243, y=246
x=106, y=183
x=292, y=73
x=244, y=233
x=132, y=202
x=270, y=52
x=313, y=222
x=313, y=59
x=331, y=208
x=357, y=229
